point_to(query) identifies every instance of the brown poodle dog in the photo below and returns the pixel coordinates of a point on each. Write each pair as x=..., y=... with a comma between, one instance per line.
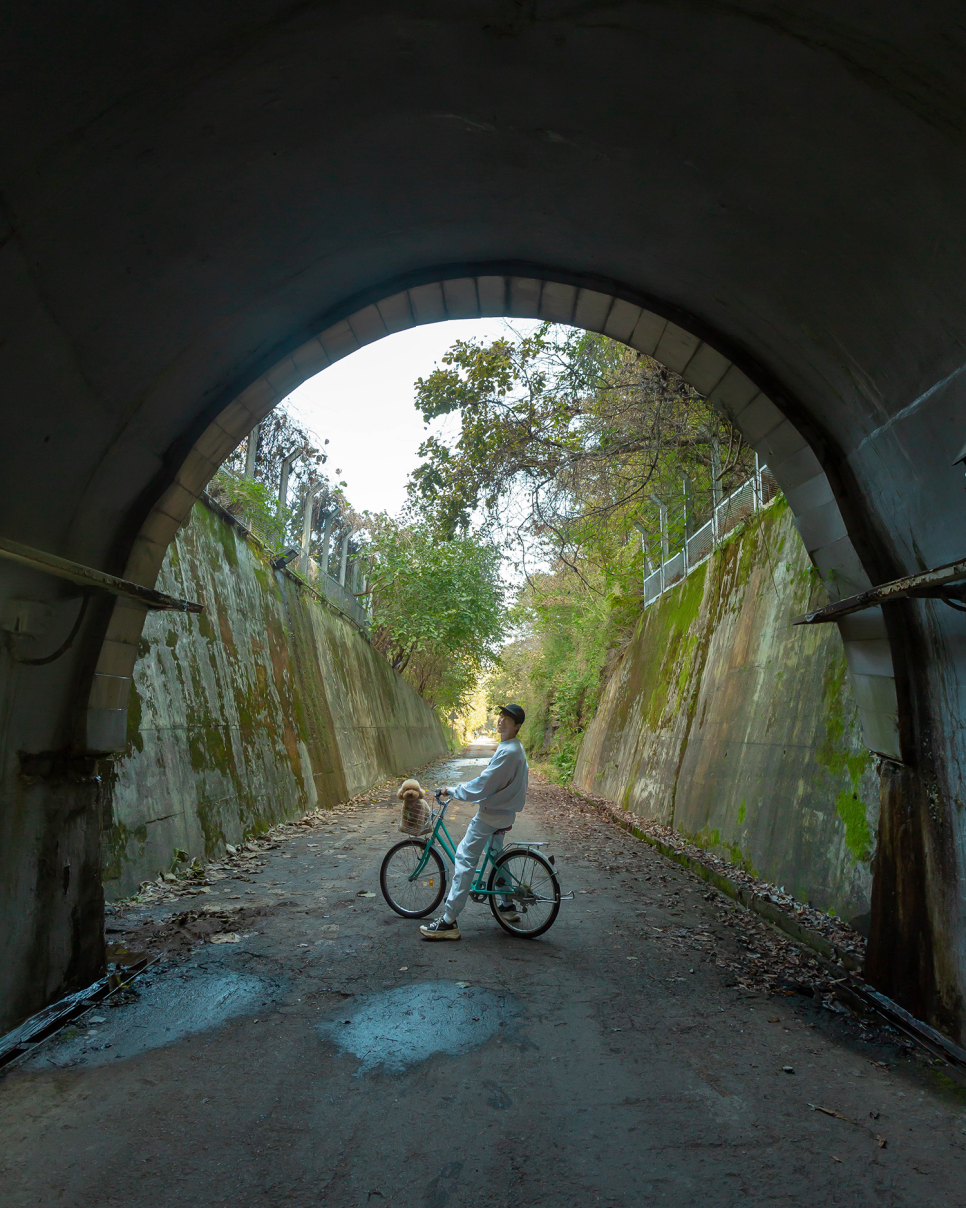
x=415, y=811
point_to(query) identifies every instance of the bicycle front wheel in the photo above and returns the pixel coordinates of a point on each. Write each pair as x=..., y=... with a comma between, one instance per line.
x=526, y=879
x=411, y=896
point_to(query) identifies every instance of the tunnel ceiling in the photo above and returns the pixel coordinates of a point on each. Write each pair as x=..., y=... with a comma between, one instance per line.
x=189, y=194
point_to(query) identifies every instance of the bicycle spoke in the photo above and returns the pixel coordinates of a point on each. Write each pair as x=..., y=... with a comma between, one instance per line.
x=529, y=883
x=410, y=892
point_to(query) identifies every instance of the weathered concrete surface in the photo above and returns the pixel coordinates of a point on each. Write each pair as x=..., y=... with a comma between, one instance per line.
x=192, y=199
x=264, y=706
x=726, y=723
x=618, y=1077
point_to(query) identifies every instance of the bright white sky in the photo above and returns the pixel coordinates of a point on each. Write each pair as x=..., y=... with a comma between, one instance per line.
x=364, y=405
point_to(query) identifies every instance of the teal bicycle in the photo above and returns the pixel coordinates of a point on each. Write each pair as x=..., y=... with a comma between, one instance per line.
x=413, y=878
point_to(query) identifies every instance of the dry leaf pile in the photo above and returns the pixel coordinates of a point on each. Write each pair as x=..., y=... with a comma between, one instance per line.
x=243, y=861
x=758, y=956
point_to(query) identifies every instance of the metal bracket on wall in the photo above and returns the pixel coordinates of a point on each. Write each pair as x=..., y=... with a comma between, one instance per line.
x=86, y=576
x=927, y=585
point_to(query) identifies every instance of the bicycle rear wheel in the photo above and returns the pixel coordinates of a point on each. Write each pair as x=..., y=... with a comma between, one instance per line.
x=527, y=880
x=412, y=898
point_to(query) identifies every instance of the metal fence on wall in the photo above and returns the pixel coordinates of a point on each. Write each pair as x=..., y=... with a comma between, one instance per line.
x=749, y=498
x=342, y=598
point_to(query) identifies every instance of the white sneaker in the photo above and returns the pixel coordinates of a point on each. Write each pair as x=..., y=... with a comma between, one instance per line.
x=439, y=929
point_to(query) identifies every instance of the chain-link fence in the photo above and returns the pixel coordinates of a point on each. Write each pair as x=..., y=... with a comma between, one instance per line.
x=742, y=503
x=342, y=598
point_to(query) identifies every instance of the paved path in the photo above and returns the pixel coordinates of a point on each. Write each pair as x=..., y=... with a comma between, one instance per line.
x=333, y=1058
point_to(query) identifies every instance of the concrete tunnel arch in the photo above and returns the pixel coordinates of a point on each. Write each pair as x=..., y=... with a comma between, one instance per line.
x=675, y=343
x=192, y=191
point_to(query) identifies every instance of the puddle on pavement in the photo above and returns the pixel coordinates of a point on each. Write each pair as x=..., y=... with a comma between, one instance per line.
x=402, y=1027
x=458, y=770
x=169, y=1007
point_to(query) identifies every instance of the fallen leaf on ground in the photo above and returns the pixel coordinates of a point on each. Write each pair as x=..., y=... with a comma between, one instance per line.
x=225, y=937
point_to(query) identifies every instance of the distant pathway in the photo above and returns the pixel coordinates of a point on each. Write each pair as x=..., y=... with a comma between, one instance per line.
x=321, y=1054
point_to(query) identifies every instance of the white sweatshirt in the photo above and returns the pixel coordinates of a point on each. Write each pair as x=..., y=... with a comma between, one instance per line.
x=501, y=788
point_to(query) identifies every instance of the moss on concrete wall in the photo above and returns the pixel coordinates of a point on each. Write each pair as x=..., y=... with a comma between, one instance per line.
x=262, y=707
x=740, y=731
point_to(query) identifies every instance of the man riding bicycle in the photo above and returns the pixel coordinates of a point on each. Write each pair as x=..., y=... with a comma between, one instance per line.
x=501, y=790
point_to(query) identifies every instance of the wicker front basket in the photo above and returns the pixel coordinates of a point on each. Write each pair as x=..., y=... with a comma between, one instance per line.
x=414, y=818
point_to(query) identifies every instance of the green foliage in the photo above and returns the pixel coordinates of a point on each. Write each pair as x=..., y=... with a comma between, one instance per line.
x=253, y=503
x=438, y=607
x=255, y=500
x=554, y=670
x=279, y=434
x=565, y=438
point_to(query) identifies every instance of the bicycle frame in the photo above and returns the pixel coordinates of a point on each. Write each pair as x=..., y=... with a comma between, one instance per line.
x=441, y=837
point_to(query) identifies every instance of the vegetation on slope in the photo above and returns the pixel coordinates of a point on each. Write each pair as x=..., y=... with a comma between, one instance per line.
x=437, y=606
x=579, y=461
x=570, y=449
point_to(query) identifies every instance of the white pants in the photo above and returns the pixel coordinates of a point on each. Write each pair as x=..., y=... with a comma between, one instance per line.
x=468, y=857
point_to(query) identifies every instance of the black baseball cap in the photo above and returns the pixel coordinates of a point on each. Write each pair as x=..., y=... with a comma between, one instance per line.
x=515, y=712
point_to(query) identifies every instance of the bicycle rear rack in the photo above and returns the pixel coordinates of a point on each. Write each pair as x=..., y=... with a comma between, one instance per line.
x=566, y=897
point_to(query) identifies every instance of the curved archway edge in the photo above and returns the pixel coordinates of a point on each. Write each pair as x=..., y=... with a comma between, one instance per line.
x=733, y=385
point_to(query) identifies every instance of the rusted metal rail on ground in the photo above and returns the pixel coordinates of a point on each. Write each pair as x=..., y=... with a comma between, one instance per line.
x=28, y=1036
x=927, y=585
x=86, y=576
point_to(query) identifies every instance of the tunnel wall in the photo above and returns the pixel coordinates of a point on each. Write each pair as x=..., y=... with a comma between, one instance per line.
x=741, y=731
x=262, y=707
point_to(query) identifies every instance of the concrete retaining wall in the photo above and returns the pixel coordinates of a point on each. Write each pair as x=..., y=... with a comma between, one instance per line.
x=741, y=731
x=264, y=706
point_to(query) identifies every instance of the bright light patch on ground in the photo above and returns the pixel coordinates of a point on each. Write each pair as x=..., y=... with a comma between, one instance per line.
x=402, y=1027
